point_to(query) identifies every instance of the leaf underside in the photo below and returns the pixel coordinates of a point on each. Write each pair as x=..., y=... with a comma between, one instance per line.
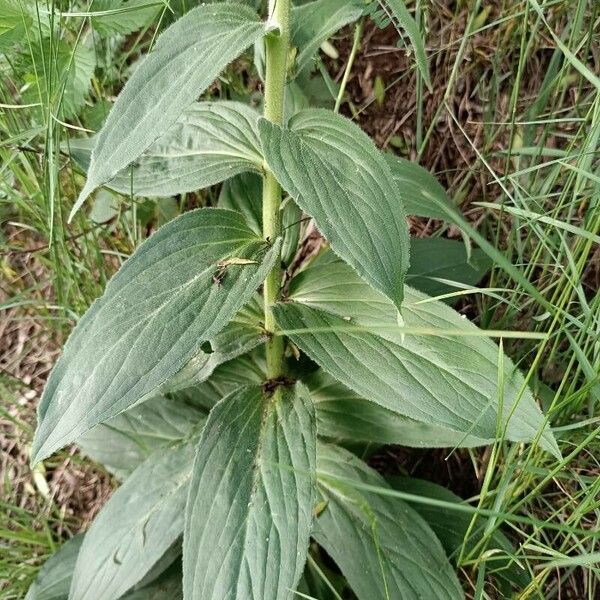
x=249, y=512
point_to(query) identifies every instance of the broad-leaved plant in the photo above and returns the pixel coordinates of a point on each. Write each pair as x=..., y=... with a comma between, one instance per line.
x=231, y=382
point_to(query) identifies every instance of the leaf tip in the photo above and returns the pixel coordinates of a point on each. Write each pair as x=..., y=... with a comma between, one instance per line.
x=88, y=188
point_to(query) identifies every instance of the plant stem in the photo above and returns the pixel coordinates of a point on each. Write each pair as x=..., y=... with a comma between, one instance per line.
x=358, y=30
x=277, y=50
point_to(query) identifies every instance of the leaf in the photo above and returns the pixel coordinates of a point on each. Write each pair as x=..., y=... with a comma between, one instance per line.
x=168, y=586
x=421, y=193
x=336, y=175
x=14, y=22
x=243, y=194
x=185, y=60
x=345, y=416
x=140, y=522
x=435, y=259
x=209, y=142
x=451, y=527
x=123, y=17
x=382, y=546
x=244, y=333
x=59, y=73
x=426, y=197
x=398, y=13
x=54, y=578
x=434, y=377
x=249, y=512
x=168, y=299
x=125, y=441
x=315, y=22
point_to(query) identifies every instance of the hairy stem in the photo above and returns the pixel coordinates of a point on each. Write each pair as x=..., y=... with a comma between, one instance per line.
x=277, y=49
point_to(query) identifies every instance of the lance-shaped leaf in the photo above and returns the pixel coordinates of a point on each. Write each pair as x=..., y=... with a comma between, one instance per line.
x=421, y=193
x=452, y=527
x=438, y=368
x=249, y=512
x=209, y=142
x=127, y=440
x=315, y=22
x=337, y=176
x=382, y=545
x=177, y=291
x=54, y=578
x=185, y=60
x=344, y=415
x=140, y=522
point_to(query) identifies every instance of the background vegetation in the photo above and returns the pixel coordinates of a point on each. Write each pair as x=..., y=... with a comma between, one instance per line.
x=511, y=129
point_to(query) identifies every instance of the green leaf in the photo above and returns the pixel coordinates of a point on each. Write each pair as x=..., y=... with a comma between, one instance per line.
x=244, y=333
x=345, y=416
x=140, y=522
x=179, y=289
x=15, y=19
x=437, y=260
x=168, y=586
x=451, y=527
x=421, y=193
x=444, y=373
x=382, y=546
x=249, y=512
x=185, y=60
x=59, y=73
x=397, y=12
x=54, y=578
x=123, y=17
x=125, y=441
x=315, y=22
x=244, y=195
x=336, y=175
x=209, y=142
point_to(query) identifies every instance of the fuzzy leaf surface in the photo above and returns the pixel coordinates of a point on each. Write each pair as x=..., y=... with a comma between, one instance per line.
x=446, y=380
x=382, y=545
x=345, y=416
x=127, y=440
x=209, y=142
x=336, y=175
x=177, y=291
x=140, y=522
x=315, y=22
x=185, y=60
x=54, y=578
x=249, y=512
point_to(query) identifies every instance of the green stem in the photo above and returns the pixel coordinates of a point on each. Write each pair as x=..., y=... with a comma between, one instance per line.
x=358, y=31
x=277, y=50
